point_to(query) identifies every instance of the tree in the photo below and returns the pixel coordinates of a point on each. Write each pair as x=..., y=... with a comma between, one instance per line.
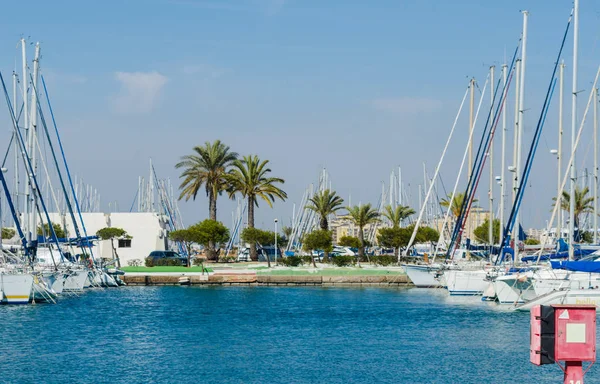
x=287, y=231
x=532, y=241
x=186, y=237
x=258, y=236
x=396, y=215
x=249, y=177
x=583, y=204
x=394, y=237
x=285, y=238
x=349, y=241
x=7, y=233
x=457, y=203
x=324, y=204
x=427, y=234
x=317, y=240
x=482, y=233
x=362, y=215
x=207, y=166
x=44, y=230
x=110, y=233
x=210, y=232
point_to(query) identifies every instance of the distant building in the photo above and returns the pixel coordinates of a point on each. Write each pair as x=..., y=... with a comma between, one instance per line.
x=341, y=226
x=148, y=232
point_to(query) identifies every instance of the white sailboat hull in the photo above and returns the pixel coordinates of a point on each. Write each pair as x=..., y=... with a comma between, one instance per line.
x=75, y=282
x=423, y=276
x=15, y=289
x=466, y=283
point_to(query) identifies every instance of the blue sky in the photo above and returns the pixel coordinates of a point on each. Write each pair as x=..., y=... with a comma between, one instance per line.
x=357, y=87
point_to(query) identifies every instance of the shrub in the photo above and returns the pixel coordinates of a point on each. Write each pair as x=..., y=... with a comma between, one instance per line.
x=343, y=261
x=384, y=260
x=227, y=259
x=163, y=263
x=134, y=263
x=306, y=259
x=198, y=261
x=291, y=261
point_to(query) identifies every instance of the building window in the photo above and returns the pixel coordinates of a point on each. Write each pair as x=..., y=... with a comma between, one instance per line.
x=124, y=243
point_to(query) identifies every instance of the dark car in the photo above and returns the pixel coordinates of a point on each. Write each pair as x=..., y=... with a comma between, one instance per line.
x=156, y=256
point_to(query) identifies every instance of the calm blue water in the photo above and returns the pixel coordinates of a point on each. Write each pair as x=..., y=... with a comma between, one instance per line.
x=267, y=335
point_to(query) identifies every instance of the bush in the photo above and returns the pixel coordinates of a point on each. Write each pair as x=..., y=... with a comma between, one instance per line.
x=228, y=259
x=384, y=260
x=291, y=261
x=134, y=263
x=306, y=259
x=198, y=261
x=163, y=263
x=343, y=261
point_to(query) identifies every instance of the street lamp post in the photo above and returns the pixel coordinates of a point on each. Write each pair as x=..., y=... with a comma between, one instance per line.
x=275, y=241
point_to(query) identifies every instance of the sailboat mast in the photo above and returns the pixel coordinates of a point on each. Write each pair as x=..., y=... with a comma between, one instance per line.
x=503, y=157
x=516, y=130
x=573, y=128
x=491, y=159
x=596, y=166
x=24, y=82
x=521, y=121
x=33, y=134
x=16, y=143
x=561, y=78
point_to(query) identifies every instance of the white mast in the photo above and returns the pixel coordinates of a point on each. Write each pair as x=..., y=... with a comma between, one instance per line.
x=24, y=82
x=596, y=166
x=516, y=131
x=491, y=158
x=502, y=160
x=521, y=123
x=33, y=134
x=573, y=124
x=16, y=143
x=559, y=155
x=399, y=186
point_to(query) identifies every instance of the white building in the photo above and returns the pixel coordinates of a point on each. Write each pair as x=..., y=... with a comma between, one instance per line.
x=148, y=232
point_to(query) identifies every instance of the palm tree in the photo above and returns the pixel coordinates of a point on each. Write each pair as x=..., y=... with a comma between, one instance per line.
x=396, y=215
x=362, y=215
x=457, y=203
x=583, y=203
x=249, y=177
x=206, y=166
x=324, y=204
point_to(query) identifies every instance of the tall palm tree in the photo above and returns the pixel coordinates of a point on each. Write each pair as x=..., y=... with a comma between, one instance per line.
x=396, y=215
x=583, y=203
x=206, y=166
x=324, y=204
x=457, y=203
x=362, y=215
x=249, y=177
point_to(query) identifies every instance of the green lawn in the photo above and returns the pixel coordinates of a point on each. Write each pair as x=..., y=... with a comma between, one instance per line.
x=331, y=272
x=165, y=269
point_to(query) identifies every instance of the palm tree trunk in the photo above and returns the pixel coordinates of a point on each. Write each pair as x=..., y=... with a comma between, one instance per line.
x=325, y=227
x=212, y=204
x=115, y=254
x=361, y=249
x=253, y=253
x=396, y=253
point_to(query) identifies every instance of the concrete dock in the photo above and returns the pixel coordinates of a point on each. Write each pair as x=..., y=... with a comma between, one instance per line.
x=251, y=279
